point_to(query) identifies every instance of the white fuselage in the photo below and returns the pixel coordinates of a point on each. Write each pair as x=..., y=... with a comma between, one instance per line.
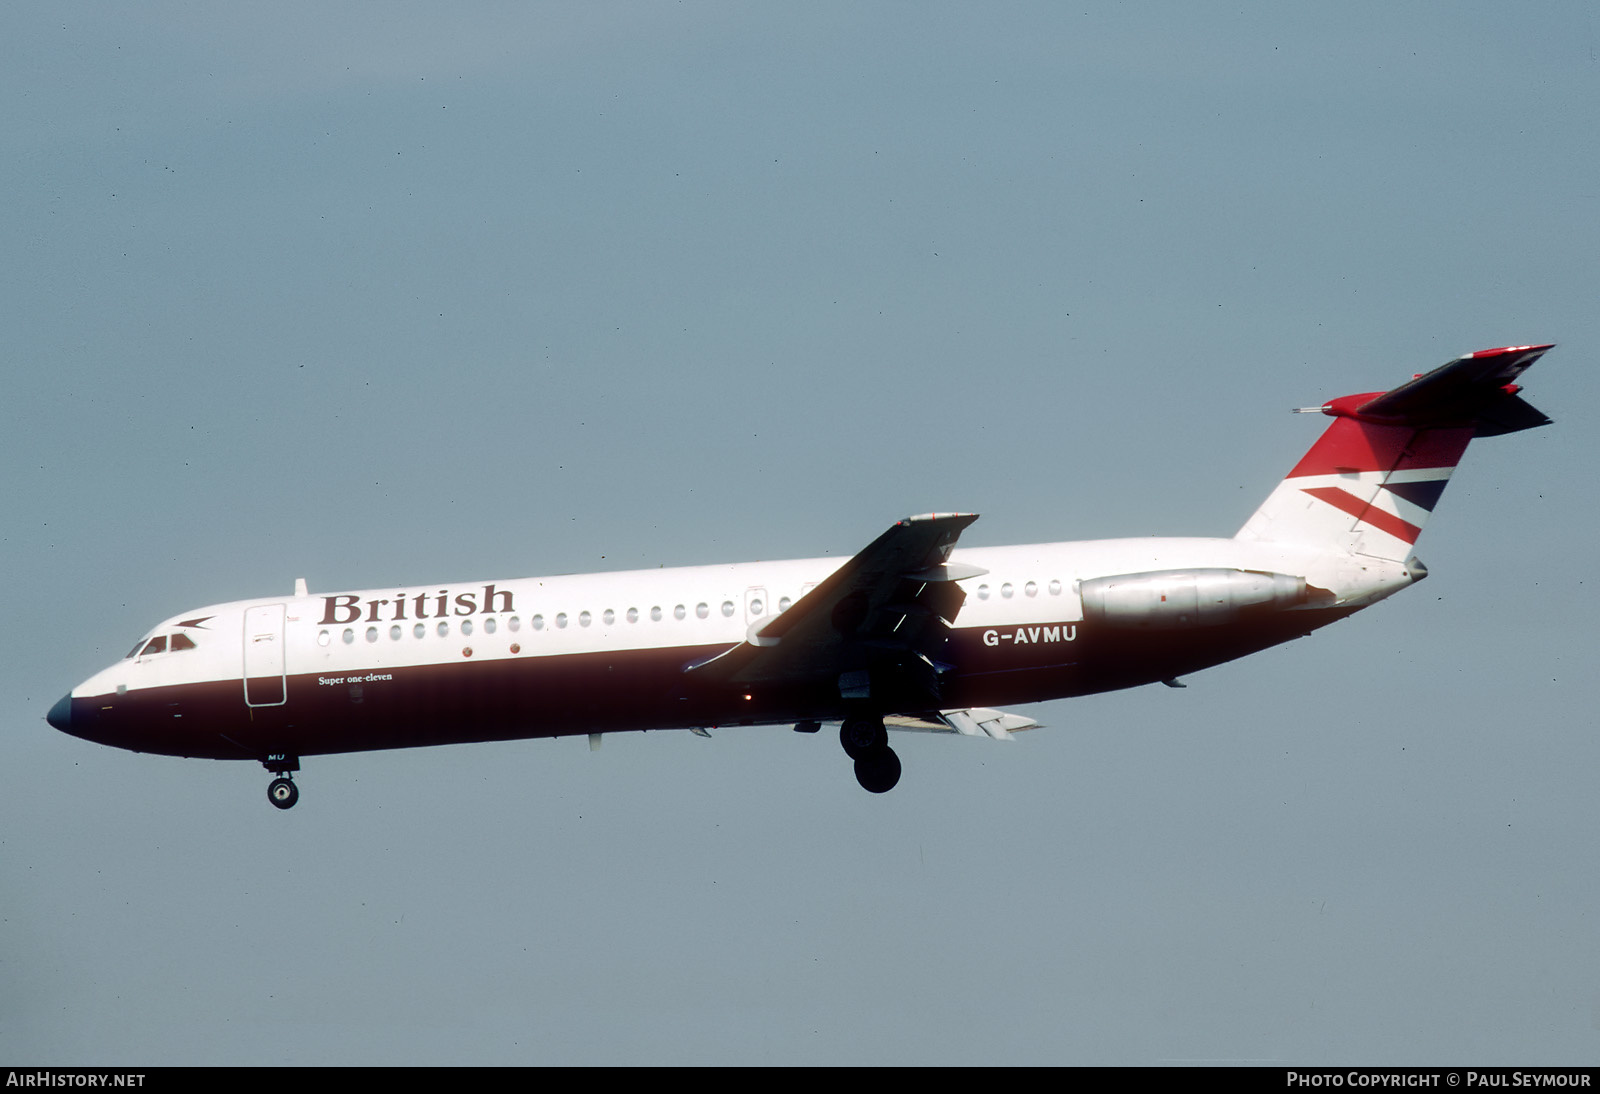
x=275, y=656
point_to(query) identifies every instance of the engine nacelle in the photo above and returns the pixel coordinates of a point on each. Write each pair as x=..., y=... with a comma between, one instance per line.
x=1180, y=599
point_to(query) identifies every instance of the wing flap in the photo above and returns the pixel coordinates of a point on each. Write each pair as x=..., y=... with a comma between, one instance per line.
x=997, y=725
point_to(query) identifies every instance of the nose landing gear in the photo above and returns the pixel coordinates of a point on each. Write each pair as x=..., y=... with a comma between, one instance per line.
x=282, y=792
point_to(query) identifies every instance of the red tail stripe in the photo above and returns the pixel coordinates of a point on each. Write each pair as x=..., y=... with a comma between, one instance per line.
x=1349, y=445
x=1384, y=521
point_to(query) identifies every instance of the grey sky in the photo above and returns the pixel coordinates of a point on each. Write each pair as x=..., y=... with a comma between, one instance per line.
x=400, y=294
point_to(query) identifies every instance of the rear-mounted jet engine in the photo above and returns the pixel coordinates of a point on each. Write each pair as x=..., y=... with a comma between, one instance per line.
x=1179, y=599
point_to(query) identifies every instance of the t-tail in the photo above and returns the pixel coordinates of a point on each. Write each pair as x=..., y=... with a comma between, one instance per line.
x=1369, y=483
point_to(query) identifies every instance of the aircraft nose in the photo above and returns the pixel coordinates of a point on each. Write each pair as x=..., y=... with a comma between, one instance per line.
x=60, y=715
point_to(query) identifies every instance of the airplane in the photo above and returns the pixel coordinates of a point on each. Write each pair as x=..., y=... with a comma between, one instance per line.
x=908, y=634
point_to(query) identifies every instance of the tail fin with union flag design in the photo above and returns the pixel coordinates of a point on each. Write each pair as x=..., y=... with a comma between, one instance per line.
x=1369, y=483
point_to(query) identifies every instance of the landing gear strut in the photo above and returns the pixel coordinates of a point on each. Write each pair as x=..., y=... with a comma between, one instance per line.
x=282, y=792
x=867, y=743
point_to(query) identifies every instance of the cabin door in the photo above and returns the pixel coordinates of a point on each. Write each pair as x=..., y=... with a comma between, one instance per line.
x=263, y=656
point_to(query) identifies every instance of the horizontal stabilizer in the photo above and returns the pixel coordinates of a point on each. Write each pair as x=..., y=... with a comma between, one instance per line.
x=1509, y=415
x=1477, y=390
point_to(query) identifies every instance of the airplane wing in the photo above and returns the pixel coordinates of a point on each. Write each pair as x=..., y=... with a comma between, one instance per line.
x=997, y=725
x=875, y=625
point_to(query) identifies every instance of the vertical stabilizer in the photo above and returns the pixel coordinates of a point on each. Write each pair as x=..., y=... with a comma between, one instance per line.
x=1369, y=483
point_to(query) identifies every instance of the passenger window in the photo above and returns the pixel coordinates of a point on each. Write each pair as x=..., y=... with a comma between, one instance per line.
x=679, y=612
x=701, y=610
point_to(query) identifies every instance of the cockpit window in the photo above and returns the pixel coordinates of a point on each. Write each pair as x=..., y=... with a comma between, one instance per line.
x=137, y=646
x=162, y=643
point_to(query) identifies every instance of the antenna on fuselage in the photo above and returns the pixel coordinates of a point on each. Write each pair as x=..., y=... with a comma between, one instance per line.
x=300, y=587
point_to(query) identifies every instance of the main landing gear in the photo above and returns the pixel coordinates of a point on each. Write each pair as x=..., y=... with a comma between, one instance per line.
x=282, y=792
x=867, y=743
